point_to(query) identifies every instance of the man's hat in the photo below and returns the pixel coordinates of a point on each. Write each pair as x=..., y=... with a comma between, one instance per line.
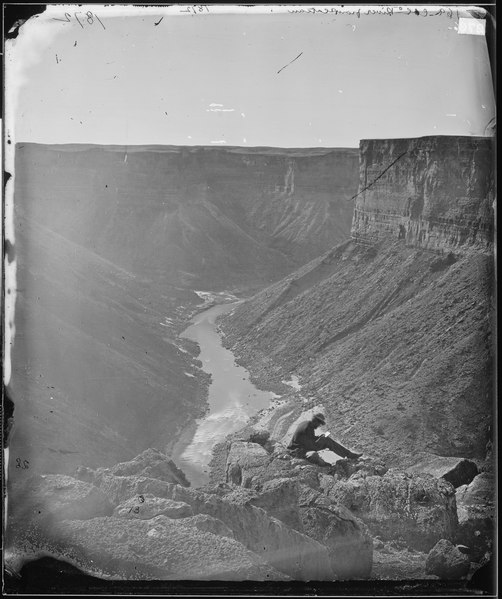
x=319, y=417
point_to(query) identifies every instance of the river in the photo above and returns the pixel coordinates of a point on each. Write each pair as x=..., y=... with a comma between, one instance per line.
x=232, y=398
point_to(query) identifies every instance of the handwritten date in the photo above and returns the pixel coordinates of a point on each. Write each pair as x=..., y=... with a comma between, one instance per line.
x=89, y=17
x=195, y=9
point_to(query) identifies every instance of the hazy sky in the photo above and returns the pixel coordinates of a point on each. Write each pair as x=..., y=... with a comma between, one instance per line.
x=212, y=78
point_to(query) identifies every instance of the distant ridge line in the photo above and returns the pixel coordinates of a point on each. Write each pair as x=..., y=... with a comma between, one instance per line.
x=319, y=150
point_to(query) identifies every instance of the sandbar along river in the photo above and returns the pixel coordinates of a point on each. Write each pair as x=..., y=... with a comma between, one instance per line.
x=232, y=399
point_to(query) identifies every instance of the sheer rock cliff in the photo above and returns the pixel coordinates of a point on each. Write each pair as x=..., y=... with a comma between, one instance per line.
x=433, y=192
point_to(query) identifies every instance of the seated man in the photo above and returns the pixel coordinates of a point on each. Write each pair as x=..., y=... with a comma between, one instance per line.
x=305, y=440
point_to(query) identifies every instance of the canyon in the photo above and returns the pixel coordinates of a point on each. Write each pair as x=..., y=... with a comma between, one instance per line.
x=391, y=332
x=111, y=245
x=367, y=279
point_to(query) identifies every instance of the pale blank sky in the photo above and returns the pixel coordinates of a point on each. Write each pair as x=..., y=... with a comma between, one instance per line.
x=213, y=78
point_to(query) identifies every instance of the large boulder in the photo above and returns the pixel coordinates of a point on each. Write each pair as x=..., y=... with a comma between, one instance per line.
x=476, y=513
x=393, y=560
x=457, y=471
x=285, y=549
x=250, y=465
x=159, y=548
x=279, y=498
x=346, y=468
x=310, y=512
x=152, y=463
x=447, y=561
x=245, y=461
x=347, y=538
x=419, y=509
x=288, y=489
x=121, y=488
x=209, y=524
x=151, y=472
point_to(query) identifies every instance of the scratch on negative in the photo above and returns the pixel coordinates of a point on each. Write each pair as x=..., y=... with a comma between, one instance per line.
x=379, y=176
x=287, y=65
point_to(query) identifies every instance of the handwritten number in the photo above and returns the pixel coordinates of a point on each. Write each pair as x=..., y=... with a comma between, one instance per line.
x=196, y=8
x=100, y=21
x=89, y=17
x=67, y=20
x=135, y=510
x=78, y=20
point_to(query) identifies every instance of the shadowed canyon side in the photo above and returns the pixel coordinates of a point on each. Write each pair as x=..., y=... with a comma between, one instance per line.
x=393, y=340
x=97, y=370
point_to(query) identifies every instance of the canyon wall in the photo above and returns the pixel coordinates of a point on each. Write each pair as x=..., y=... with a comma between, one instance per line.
x=192, y=216
x=432, y=192
x=390, y=334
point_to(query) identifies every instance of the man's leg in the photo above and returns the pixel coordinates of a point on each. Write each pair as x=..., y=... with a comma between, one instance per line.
x=328, y=443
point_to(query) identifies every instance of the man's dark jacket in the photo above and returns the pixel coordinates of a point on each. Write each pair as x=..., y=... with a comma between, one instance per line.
x=304, y=438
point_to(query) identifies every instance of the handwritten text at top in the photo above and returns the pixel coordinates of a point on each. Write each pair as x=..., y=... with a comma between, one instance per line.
x=378, y=10
x=80, y=17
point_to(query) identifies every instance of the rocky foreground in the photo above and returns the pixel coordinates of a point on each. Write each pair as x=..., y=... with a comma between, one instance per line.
x=270, y=517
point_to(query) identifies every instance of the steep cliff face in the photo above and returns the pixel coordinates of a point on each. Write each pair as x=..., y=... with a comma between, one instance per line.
x=392, y=341
x=199, y=216
x=432, y=192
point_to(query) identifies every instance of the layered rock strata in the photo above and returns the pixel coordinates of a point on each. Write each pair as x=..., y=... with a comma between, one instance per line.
x=433, y=192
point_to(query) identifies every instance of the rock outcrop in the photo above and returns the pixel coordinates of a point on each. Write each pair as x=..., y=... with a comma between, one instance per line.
x=433, y=192
x=418, y=509
x=151, y=463
x=281, y=518
x=447, y=561
x=310, y=512
x=457, y=471
x=476, y=515
x=286, y=549
x=148, y=506
x=157, y=548
x=163, y=530
x=245, y=461
x=48, y=498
